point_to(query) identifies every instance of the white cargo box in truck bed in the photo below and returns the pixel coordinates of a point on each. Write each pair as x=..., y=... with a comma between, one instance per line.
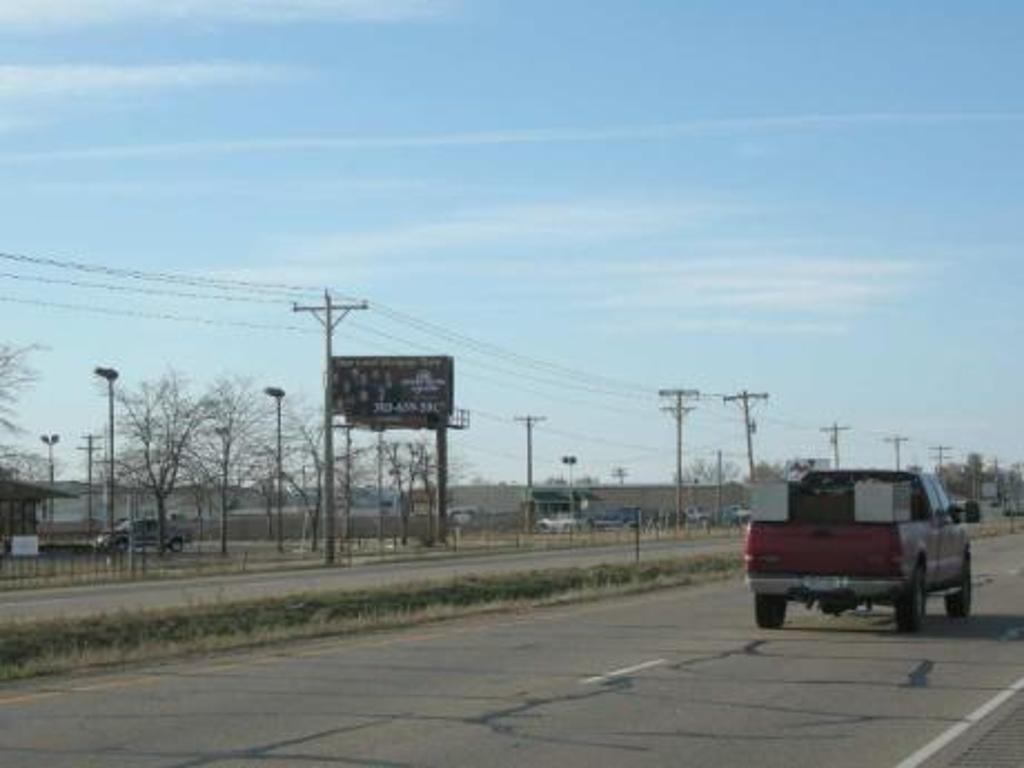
x=877, y=502
x=873, y=502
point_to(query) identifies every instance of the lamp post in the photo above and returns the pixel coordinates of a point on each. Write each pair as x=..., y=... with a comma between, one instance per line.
x=50, y=440
x=278, y=395
x=110, y=375
x=570, y=461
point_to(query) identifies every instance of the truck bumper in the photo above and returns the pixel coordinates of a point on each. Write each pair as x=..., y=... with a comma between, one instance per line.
x=810, y=588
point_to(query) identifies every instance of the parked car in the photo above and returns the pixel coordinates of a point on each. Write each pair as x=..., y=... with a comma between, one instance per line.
x=623, y=517
x=557, y=524
x=143, y=534
x=697, y=517
x=462, y=515
x=735, y=516
x=840, y=539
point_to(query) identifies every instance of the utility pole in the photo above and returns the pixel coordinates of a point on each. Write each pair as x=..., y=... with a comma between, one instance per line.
x=718, y=516
x=940, y=452
x=329, y=320
x=678, y=411
x=833, y=439
x=619, y=473
x=90, y=448
x=745, y=397
x=529, y=421
x=897, y=441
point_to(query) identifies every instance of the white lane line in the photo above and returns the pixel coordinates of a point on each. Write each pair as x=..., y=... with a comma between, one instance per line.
x=622, y=672
x=955, y=731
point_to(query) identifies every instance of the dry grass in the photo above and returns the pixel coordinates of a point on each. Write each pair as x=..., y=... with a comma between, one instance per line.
x=59, y=646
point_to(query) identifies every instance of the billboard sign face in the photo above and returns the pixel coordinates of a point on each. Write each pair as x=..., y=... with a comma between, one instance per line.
x=397, y=392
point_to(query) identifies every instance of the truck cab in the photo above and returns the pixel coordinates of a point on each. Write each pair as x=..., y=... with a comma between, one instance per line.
x=839, y=539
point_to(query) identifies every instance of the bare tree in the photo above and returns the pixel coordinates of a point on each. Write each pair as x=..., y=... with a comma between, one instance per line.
x=24, y=465
x=303, y=439
x=403, y=470
x=232, y=435
x=159, y=422
x=705, y=472
x=15, y=376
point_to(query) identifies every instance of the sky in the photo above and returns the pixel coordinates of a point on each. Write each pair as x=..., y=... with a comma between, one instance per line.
x=582, y=202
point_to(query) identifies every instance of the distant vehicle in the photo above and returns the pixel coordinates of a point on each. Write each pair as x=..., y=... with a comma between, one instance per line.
x=462, y=515
x=840, y=539
x=557, y=524
x=143, y=534
x=623, y=517
x=736, y=516
x=696, y=516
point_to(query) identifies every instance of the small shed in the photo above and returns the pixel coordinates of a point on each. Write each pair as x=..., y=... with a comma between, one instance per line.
x=18, y=504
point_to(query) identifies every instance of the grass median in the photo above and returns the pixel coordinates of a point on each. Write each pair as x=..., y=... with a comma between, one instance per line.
x=55, y=646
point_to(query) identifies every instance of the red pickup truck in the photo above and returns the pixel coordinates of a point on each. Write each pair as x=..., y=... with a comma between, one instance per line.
x=841, y=539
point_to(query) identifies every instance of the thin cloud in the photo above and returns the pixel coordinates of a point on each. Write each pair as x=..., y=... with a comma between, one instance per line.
x=517, y=225
x=738, y=126
x=59, y=14
x=24, y=82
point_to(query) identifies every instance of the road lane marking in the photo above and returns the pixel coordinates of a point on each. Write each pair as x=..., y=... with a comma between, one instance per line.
x=622, y=672
x=957, y=730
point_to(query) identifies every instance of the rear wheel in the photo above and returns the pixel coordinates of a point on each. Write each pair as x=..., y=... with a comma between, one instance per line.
x=770, y=611
x=176, y=544
x=910, y=607
x=958, y=604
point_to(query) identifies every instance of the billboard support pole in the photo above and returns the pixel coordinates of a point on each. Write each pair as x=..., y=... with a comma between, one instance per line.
x=442, y=483
x=329, y=321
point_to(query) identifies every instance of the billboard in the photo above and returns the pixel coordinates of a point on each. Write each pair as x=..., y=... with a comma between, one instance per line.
x=397, y=392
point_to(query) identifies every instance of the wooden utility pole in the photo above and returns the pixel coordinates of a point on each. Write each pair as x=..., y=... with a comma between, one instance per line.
x=528, y=510
x=745, y=397
x=940, y=452
x=329, y=321
x=90, y=448
x=833, y=439
x=678, y=410
x=897, y=441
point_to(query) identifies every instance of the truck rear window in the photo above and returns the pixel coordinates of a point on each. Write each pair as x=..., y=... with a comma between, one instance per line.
x=827, y=498
x=822, y=506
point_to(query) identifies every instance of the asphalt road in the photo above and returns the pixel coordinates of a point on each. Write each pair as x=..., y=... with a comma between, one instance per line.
x=91, y=600
x=675, y=678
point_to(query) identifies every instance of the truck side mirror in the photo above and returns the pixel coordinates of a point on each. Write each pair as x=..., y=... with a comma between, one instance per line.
x=957, y=514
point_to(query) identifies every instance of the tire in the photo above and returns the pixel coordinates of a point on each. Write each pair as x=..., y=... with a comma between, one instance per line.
x=769, y=611
x=958, y=604
x=910, y=607
x=176, y=545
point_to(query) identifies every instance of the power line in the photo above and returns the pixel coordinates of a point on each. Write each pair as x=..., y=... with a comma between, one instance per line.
x=204, y=281
x=138, y=290
x=151, y=315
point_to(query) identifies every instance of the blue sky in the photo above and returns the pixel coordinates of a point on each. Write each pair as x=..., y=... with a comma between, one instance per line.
x=822, y=202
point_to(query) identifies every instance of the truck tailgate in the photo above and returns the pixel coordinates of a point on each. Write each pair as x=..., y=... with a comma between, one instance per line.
x=856, y=549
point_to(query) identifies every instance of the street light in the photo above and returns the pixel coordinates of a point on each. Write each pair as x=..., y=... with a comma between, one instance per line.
x=50, y=440
x=111, y=376
x=570, y=461
x=278, y=395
